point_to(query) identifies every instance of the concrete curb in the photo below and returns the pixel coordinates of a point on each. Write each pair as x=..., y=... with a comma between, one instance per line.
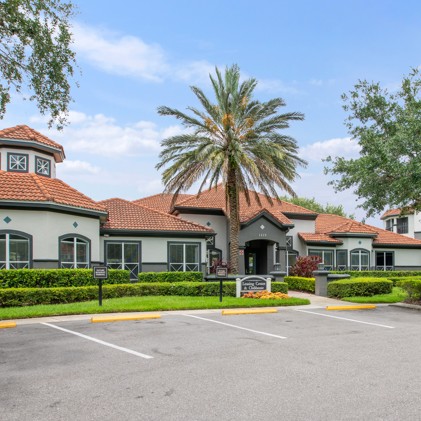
x=7, y=325
x=249, y=311
x=409, y=306
x=351, y=307
x=106, y=319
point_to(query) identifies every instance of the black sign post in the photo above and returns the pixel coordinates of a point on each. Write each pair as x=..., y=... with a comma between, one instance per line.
x=221, y=273
x=100, y=273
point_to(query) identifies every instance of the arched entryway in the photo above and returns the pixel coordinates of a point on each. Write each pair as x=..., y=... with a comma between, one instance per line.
x=258, y=256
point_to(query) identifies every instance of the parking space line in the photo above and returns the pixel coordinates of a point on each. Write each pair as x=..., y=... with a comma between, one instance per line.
x=237, y=327
x=89, y=338
x=344, y=318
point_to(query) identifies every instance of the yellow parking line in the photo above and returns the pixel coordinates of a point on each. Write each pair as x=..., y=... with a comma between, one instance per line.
x=249, y=311
x=6, y=325
x=357, y=307
x=105, y=319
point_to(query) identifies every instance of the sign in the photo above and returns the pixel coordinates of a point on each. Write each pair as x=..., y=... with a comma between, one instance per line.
x=100, y=272
x=252, y=283
x=221, y=272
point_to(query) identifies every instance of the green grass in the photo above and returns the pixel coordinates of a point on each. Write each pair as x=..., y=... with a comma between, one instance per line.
x=396, y=296
x=149, y=303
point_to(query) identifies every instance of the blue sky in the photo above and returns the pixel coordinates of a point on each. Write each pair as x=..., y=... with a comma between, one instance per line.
x=138, y=55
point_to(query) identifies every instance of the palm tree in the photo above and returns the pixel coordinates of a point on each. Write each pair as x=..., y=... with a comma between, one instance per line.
x=235, y=141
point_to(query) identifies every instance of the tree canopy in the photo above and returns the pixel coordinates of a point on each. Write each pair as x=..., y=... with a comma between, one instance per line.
x=387, y=126
x=315, y=206
x=35, y=55
x=236, y=141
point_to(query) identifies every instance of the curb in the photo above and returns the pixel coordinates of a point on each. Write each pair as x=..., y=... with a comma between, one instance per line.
x=410, y=306
x=7, y=325
x=357, y=307
x=106, y=319
x=251, y=311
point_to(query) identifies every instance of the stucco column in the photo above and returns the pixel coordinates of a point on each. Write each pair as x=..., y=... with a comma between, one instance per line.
x=321, y=282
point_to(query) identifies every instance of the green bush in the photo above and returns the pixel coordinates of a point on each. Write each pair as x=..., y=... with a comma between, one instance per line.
x=12, y=297
x=412, y=287
x=396, y=281
x=359, y=287
x=378, y=273
x=170, y=276
x=52, y=278
x=297, y=283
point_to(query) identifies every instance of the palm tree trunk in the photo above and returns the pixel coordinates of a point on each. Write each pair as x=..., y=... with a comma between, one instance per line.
x=234, y=220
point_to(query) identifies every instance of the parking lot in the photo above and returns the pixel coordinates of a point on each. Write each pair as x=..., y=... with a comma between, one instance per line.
x=298, y=364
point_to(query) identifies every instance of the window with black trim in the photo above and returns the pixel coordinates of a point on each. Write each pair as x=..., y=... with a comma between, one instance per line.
x=17, y=162
x=384, y=260
x=325, y=255
x=15, y=251
x=341, y=259
x=402, y=225
x=123, y=255
x=42, y=166
x=74, y=253
x=184, y=257
x=360, y=260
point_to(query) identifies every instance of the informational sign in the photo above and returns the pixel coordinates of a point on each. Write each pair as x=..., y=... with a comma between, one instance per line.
x=100, y=272
x=252, y=283
x=221, y=272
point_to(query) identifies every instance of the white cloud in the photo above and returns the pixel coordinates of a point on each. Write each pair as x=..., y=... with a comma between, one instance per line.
x=345, y=146
x=120, y=55
x=276, y=86
x=77, y=167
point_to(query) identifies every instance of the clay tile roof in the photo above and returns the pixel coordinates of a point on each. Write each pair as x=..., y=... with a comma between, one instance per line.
x=23, y=132
x=161, y=202
x=318, y=238
x=385, y=237
x=215, y=198
x=30, y=187
x=125, y=215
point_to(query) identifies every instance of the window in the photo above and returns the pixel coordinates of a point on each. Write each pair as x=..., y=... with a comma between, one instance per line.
x=325, y=255
x=384, y=260
x=123, y=255
x=17, y=162
x=291, y=258
x=214, y=258
x=42, y=166
x=389, y=224
x=74, y=252
x=402, y=225
x=184, y=257
x=341, y=259
x=360, y=260
x=289, y=242
x=14, y=251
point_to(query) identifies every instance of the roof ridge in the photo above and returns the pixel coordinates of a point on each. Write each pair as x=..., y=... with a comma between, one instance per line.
x=41, y=187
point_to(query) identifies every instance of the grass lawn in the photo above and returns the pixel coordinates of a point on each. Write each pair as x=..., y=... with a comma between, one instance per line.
x=396, y=296
x=149, y=303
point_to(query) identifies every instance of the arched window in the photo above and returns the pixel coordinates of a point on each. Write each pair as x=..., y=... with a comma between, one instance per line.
x=74, y=252
x=360, y=259
x=15, y=250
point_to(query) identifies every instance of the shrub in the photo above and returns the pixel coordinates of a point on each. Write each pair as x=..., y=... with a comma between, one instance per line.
x=298, y=283
x=396, y=281
x=305, y=266
x=170, y=276
x=51, y=278
x=11, y=297
x=379, y=273
x=412, y=287
x=359, y=287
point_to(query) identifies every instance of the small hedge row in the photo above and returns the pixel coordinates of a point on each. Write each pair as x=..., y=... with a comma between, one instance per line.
x=298, y=283
x=359, y=287
x=53, y=278
x=378, y=273
x=170, y=276
x=396, y=281
x=412, y=287
x=13, y=297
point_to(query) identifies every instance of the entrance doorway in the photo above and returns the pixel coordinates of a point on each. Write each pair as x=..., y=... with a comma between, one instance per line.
x=256, y=258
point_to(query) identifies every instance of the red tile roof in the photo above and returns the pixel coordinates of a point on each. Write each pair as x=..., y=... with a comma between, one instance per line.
x=318, y=238
x=30, y=187
x=391, y=212
x=161, y=202
x=125, y=215
x=23, y=132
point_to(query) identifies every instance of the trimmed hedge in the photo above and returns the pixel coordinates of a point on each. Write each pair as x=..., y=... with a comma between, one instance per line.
x=378, y=273
x=53, y=278
x=396, y=281
x=359, y=287
x=298, y=283
x=412, y=287
x=13, y=297
x=170, y=276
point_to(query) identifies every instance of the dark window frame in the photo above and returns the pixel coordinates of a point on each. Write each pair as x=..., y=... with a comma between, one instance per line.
x=73, y=235
x=10, y=154
x=40, y=158
x=199, y=263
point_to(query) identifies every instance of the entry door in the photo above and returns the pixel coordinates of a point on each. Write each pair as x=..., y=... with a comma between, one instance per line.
x=251, y=263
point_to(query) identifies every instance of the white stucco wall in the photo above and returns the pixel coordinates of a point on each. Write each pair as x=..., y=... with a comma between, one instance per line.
x=46, y=228
x=406, y=257
x=31, y=159
x=301, y=226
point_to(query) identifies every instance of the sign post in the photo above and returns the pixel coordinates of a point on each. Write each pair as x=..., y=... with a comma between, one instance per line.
x=100, y=273
x=221, y=273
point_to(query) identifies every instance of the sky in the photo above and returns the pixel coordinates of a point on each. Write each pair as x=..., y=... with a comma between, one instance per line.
x=135, y=56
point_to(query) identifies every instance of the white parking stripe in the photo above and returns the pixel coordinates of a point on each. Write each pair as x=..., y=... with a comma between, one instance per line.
x=237, y=327
x=344, y=318
x=129, y=351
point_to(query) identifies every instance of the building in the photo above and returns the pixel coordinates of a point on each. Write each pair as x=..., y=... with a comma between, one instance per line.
x=45, y=223
x=408, y=224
